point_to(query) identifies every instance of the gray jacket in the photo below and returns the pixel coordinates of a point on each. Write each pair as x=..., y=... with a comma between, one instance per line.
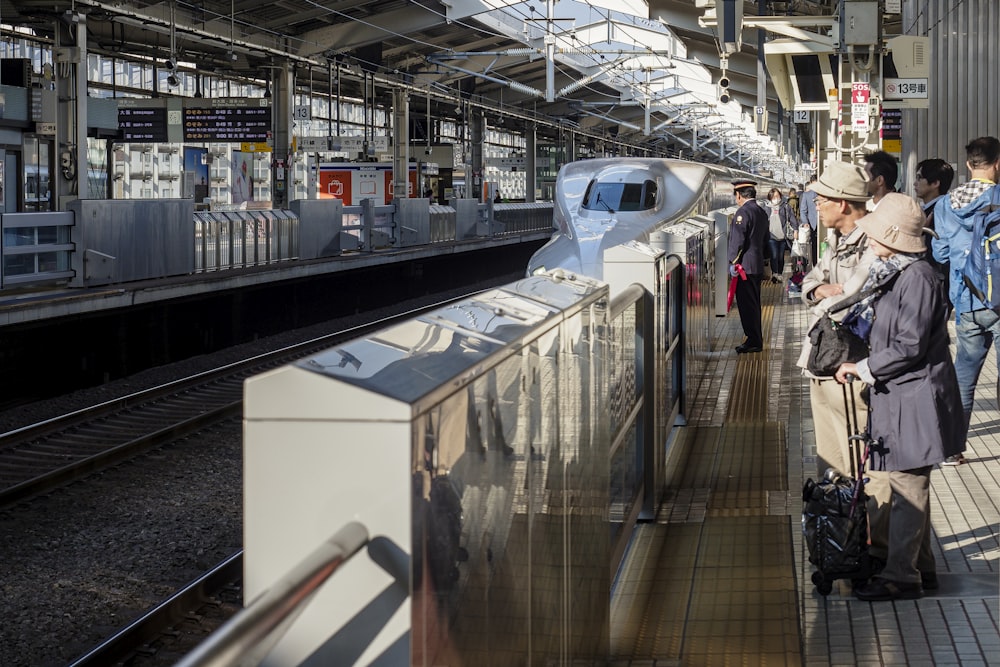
x=916, y=411
x=846, y=264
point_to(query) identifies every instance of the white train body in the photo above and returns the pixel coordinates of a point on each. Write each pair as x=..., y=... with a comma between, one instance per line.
x=605, y=202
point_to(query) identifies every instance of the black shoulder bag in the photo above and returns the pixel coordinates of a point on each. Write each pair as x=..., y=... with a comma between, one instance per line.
x=834, y=344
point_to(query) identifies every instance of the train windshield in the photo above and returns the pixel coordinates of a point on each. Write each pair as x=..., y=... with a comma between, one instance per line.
x=614, y=197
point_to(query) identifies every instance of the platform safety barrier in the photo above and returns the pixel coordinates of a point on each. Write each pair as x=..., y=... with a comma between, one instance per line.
x=56, y=247
x=36, y=248
x=508, y=442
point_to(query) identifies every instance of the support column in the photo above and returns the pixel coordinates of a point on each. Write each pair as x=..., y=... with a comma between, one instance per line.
x=282, y=86
x=401, y=146
x=476, y=138
x=530, y=170
x=71, y=119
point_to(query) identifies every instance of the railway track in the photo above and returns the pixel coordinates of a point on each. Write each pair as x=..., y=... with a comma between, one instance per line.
x=172, y=629
x=38, y=458
x=42, y=457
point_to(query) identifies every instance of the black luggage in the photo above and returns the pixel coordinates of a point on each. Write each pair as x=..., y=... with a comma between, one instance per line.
x=835, y=515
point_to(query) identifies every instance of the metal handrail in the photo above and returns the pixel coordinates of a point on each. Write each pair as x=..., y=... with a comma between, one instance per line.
x=249, y=636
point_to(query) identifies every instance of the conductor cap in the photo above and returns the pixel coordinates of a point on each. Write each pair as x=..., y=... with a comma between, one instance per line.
x=743, y=183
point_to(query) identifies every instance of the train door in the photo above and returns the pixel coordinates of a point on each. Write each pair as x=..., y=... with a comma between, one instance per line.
x=37, y=161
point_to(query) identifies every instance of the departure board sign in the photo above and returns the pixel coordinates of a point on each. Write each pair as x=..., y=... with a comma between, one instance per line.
x=228, y=119
x=139, y=121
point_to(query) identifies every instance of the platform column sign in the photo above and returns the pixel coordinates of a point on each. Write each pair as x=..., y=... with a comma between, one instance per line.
x=860, y=96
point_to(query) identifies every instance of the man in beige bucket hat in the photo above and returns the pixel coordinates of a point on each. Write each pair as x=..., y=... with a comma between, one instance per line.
x=841, y=195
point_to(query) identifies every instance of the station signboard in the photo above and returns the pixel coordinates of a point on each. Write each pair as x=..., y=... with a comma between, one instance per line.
x=507, y=163
x=142, y=121
x=228, y=120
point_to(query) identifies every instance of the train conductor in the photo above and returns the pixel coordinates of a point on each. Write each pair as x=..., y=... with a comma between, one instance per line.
x=747, y=236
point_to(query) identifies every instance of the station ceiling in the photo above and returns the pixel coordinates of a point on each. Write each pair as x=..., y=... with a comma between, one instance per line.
x=644, y=72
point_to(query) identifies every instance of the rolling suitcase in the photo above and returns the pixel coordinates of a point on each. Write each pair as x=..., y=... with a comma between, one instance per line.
x=835, y=514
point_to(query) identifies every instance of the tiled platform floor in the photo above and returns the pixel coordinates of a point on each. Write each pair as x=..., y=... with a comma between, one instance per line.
x=660, y=615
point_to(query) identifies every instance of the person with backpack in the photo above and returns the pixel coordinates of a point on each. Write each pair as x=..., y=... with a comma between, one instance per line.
x=932, y=182
x=976, y=324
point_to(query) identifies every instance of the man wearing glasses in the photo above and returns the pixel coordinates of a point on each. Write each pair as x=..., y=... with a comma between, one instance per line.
x=841, y=196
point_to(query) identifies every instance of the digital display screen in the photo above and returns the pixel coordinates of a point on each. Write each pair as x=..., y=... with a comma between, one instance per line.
x=227, y=124
x=142, y=124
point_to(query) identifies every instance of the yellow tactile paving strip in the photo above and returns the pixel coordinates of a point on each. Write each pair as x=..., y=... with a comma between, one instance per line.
x=713, y=581
x=667, y=613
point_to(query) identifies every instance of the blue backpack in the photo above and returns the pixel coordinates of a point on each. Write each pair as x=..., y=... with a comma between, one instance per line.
x=981, y=272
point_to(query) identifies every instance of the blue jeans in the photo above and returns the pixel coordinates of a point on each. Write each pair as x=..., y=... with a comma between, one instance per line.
x=777, y=248
x=976, y=331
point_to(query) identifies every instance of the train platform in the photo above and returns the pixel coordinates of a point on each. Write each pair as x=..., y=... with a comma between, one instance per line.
x=26, y=305
x=722, y=576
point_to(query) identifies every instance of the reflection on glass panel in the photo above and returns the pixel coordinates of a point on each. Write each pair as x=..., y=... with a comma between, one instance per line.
x=18, y=265
x=510, y=492
x=624, y=390
x=53, y=261
x=624, y=481
x=49, y=235
x=36, y=174
x=19, y=236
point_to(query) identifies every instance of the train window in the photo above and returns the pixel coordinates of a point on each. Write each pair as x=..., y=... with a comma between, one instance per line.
x=614, y=197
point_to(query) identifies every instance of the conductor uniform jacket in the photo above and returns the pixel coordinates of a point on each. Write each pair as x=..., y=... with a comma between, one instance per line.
x=747, y=236
x=915, y=406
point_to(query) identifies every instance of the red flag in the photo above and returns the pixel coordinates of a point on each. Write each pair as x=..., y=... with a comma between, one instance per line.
x=741, y=275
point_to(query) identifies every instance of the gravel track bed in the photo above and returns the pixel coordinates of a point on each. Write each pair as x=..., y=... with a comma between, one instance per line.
x=81, y=562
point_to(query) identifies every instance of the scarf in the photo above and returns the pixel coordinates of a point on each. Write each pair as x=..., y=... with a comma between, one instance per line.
x=861, y=315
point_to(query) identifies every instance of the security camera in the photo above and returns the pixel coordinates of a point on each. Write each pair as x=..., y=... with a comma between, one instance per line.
x=168, y=64
x=427, y=151
x=173, y=81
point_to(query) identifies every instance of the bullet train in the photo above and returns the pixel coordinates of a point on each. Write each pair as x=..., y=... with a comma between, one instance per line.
x=604, y=202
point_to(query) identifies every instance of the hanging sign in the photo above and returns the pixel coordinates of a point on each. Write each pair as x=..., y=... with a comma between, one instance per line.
x=860, y=94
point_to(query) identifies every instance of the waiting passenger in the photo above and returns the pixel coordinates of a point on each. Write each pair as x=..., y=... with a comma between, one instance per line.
x=883, y=172
x=841, y=193
x=977, y=325
x=793, y=201
x=781, y=225
x=807, y=216
x=931, y=182
x=916, y=411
